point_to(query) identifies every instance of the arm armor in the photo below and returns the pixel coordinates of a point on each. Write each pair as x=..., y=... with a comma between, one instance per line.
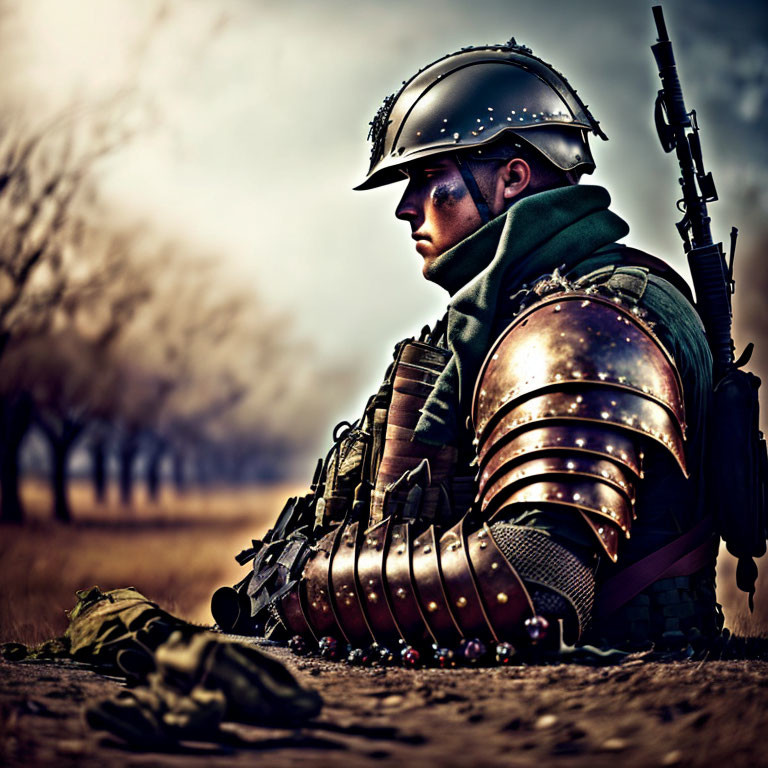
x=564, y=402
x=388, y=583
x=566, y=399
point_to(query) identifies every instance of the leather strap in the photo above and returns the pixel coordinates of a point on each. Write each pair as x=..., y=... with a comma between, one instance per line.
x=471, y=184
x=684, y=556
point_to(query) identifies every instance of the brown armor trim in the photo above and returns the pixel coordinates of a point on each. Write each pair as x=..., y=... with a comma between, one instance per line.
x=607, y=535
x=405, y=605
x=460, y=587
x=580, y=468
x=586, y=439
x=594, y=497
x=507, y=602
x=345, y=592
x=576, y=337
x=371, y=579
x=293, y=613
x=316, y=577
x=428, y=580
x=625, y=410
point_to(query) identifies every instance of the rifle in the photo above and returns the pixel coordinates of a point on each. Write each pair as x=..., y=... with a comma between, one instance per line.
x=738, y=459
x=678, y=129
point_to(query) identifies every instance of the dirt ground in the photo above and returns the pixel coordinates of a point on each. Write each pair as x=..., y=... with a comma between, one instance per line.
x=686, y=713
x=637, y=714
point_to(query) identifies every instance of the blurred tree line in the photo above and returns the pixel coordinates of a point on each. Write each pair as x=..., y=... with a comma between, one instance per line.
x=117, y=343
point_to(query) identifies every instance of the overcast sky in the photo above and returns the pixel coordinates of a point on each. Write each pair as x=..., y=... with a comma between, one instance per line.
x=261, y=108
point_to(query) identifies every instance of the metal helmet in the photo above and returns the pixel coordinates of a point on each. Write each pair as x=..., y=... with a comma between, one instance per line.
x=470, y=98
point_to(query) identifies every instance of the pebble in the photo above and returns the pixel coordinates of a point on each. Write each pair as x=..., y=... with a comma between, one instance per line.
x=615, y=745
x=545, y=721
x=672, y=758
x=392, y=701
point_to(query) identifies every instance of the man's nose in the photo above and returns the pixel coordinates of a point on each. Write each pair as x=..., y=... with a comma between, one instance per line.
x=407, y=209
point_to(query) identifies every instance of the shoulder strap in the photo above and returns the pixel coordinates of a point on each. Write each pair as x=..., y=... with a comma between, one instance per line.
x=624, y=256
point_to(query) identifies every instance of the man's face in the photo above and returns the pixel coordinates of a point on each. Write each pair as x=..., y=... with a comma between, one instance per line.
x=438, y=206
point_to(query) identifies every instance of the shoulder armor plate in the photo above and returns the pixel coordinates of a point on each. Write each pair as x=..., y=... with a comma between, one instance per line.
x=565, y=400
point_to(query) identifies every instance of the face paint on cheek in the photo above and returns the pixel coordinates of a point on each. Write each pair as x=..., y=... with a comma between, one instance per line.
x=448, y=193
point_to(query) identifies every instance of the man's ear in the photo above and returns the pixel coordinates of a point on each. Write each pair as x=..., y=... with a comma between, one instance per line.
x=515, y=177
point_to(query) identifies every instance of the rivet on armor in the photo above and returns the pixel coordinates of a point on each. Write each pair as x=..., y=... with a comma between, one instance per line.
x=373, y=597
x=494, y=566
x=576, y=496
x=605, y=415
x=427, y=550
x=483, y=544
x=401, y=592
x=557, y=307
x=502, y=597
x=432, y=607
x=461, y=602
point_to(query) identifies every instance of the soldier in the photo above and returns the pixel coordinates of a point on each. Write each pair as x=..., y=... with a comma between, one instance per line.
x=491, y=487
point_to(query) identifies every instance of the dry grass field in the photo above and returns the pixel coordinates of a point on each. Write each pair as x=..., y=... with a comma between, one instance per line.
x=176, y=552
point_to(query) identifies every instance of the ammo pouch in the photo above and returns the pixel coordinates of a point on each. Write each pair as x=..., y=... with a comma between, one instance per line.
x=739, y=473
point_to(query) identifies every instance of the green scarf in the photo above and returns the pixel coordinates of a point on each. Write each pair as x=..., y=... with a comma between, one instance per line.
x=541, y=233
